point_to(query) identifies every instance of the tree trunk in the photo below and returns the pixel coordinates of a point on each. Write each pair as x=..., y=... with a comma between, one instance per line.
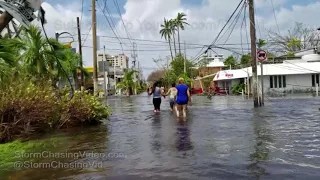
x=5, y=18
x=179, y=40
x=170, y=50
x=174, y=45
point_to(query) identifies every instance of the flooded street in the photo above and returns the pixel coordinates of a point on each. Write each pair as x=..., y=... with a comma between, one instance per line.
x=223, y=138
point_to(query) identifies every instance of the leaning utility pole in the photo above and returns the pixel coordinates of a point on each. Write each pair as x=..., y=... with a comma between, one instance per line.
x=253, y=53
x=80, y=52
x=94, y=44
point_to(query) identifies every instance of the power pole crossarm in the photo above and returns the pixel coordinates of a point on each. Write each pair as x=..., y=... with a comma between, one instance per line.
x=253, y=54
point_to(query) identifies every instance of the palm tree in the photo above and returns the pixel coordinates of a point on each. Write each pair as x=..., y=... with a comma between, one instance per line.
x=261, y=43
x=166, y=33
x=180, y=21
x=42, y=58
x=173, y=32
x=9, y=49
x=127, y=82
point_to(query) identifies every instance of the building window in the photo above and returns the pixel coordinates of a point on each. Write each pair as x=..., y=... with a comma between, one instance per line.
x=278, y=82
x=271, y=81
x=315, y=80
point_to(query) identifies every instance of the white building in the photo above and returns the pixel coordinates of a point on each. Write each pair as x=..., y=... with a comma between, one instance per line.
x=113, y=68
x=290, y=76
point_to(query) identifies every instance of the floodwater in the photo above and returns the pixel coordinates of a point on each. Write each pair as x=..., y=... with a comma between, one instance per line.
x=223, y=138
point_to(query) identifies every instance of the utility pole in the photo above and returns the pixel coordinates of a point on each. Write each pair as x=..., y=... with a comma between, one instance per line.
x=262, y=90
x=253, y=53
x=185, y=58
x=134, y=56
x=114, y=74
x=104, y=73
x=80, y=52
x=94, y=44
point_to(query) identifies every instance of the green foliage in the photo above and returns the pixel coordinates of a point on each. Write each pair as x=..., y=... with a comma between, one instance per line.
x=27, y=108
x=127, y=82
x=177, y=65
x=237, y=88
x=231, y=61
x=206, y=82
x=261, y=43
x=170, y=77
x=245, y=60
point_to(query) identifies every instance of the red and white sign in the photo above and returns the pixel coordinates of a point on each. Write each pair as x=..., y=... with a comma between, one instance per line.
x=262, y=55
x=228, y=75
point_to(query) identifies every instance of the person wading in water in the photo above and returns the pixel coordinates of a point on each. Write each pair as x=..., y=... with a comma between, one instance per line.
x=157, y=93
x=182, y=98
x=172, y=92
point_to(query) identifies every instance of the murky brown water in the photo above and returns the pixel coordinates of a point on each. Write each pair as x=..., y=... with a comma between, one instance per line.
x=223, y=138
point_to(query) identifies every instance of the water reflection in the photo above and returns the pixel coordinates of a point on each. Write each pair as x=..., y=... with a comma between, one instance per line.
x=183, y=141
x=71, y=142
x=156, y=135
x=262, y=139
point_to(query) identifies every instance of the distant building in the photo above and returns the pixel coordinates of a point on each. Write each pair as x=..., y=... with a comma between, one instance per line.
x=121, y=60
x=210, y=64
x=113, y=68
x=290, y=76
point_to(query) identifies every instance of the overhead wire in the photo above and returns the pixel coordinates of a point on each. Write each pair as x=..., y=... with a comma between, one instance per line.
x=222, y=28
x=214, y=41
x=57, y=60
x=119, y=12
x=236, y=19
x=275, y=17
x=109, y=22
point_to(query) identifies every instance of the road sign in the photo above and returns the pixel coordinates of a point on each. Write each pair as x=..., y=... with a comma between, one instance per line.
x=262, y=55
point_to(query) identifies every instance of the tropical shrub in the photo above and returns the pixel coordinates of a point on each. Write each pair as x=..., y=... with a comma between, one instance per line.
x=27, y=108
x=237, y=88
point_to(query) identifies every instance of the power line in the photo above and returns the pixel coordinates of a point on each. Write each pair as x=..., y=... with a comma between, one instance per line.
x=224, y=26
x=87, y=36
x=82, y=4
x=275, y=17
x=236, y=21
x=117, y=6
x=214, y=41
x=109, y=22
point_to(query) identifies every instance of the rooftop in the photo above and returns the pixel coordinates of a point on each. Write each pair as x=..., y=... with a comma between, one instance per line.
x=308, y=64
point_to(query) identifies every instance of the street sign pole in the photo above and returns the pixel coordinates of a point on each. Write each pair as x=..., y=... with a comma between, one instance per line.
x=262, y=56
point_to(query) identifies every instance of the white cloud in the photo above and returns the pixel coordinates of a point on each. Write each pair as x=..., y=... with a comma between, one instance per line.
x=143, y=19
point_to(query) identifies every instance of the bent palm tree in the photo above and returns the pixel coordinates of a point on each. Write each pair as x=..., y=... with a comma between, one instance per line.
x=180, y=22
x=166, y=33
x=42, y=58
x=9, y=49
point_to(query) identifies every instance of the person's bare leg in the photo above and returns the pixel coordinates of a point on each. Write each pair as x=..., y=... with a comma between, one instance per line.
x=184, y=110
x=5, y=18
x=177, y=108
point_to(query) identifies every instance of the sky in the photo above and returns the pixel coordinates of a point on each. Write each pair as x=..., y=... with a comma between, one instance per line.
x=142, y=19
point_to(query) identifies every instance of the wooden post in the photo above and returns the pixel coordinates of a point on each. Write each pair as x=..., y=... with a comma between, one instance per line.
x=253, y=53
x=80, y=52
x=94, y=45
